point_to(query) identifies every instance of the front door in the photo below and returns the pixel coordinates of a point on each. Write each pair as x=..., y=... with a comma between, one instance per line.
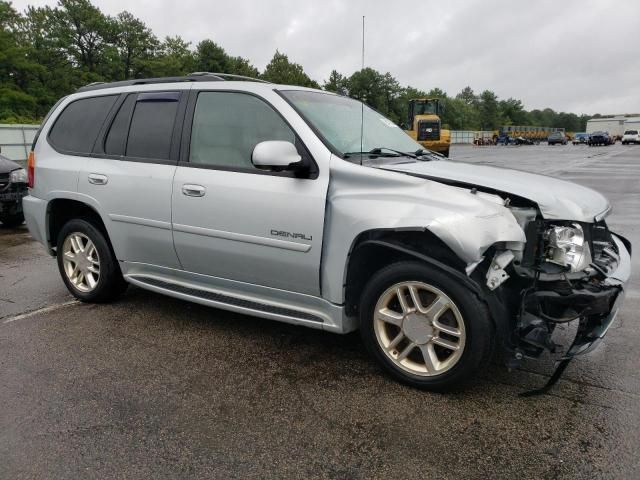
x=234, y=221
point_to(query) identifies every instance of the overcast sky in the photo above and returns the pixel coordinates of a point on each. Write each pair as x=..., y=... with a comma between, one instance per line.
x=578, y=56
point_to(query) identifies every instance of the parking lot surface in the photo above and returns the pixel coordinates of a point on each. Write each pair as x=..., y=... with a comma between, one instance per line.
x=154, y=387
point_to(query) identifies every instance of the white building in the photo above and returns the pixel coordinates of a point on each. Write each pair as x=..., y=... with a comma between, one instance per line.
x=632, y=123
x=614, y=125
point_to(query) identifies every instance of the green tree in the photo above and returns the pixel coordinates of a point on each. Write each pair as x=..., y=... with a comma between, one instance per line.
x=84, y=32
x=211, y=57
x=366, y=85
x=336, y=83
x=174, y=58
x=468, y=96
x=242, y=66
x=489, y=111
x=135, y=45
x=281, y=70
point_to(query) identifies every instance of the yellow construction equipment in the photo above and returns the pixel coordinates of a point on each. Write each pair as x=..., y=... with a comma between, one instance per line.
x=425, y=127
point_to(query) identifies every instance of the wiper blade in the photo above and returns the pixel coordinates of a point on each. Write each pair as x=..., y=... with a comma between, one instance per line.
x=422, y=152
x=378, y=152
x=398, y=153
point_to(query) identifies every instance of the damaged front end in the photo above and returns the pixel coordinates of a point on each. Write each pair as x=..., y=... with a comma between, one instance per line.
x=566, y=272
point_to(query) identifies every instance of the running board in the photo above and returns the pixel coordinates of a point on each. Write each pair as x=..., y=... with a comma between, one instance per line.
x=226, y=301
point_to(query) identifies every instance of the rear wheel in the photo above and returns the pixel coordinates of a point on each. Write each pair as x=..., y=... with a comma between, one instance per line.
x=423, y=327
x=88, y=267
x=11, y=221
x=446, y=152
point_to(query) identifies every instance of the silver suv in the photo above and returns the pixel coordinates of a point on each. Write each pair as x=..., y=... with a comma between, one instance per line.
x=306, y=207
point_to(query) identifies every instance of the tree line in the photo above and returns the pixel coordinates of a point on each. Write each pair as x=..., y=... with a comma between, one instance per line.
x=49, y=52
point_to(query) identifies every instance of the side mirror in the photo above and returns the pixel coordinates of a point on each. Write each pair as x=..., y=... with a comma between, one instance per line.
x=276, y=154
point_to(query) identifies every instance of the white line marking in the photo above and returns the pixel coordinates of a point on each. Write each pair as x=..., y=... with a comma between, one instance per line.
x=48, y=309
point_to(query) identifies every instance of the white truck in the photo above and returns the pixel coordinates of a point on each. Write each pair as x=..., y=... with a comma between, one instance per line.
x=614, y=126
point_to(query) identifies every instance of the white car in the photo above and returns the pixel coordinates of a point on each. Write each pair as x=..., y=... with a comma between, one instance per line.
x=631, y=136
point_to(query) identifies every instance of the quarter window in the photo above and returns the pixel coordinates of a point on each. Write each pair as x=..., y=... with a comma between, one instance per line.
x=77, y=127
x=116, y=138
x=227, y=126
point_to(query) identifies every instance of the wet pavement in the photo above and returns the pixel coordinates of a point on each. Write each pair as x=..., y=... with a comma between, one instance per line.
x=153, y=387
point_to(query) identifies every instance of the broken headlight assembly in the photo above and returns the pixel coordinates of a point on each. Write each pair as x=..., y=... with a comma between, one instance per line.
x=567, y=246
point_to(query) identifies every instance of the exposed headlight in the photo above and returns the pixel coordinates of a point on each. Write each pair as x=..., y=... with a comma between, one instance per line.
x=18, y=176
x=567, y=246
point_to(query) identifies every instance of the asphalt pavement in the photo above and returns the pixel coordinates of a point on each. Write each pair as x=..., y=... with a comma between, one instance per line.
x=154, y=387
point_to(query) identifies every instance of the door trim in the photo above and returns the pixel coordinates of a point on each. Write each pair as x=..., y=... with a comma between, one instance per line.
x=242, y=237
x=146, y=222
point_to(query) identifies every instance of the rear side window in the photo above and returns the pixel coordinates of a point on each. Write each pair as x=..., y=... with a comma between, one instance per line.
x=77, y=127
x=152, y=125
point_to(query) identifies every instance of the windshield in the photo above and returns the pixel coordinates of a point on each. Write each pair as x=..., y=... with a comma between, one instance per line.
x=631, y=132
x=425, y=108
x=339, y=121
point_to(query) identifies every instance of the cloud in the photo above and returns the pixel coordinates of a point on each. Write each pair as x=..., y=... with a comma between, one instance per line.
x=571, y=56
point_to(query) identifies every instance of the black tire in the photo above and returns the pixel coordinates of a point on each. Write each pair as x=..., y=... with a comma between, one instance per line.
x=12, y=221
x=110, y=283
x=478, y=326
x=446, y=152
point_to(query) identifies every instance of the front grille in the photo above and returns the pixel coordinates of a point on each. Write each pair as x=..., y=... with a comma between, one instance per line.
x=428, y=130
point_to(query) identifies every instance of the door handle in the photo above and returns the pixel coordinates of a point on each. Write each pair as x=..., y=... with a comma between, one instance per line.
x=193, y=190
x=98, y=179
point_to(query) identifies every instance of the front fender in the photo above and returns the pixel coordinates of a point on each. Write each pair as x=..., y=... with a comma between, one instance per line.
x=362, y=199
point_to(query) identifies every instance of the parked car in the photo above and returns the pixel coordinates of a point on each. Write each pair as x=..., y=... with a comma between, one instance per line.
x=599, y=138
x=523, y=141
x=631, y=136
x=557, y=138
x=581, y=138
x=13, y=187
x=266, y=200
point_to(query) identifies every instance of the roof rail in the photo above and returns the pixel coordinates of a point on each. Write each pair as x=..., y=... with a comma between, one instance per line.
x=192, y=77
x=228, y=75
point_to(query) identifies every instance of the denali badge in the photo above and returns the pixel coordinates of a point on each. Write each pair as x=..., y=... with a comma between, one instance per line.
x=281, y=233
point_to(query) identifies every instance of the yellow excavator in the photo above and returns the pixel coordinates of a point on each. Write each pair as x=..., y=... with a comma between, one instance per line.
x=425, y=127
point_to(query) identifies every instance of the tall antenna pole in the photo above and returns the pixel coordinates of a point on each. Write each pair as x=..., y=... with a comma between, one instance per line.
x=363, y=42
x=362, y=100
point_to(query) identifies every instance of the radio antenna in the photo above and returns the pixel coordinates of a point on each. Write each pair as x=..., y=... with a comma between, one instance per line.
x=362, y=100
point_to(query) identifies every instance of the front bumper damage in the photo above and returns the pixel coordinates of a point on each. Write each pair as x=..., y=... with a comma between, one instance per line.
x=593, y=302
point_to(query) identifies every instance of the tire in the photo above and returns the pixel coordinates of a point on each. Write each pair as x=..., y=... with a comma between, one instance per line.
x=12, y=221
x=464, y=314
x=446, y=152
x=108, y=283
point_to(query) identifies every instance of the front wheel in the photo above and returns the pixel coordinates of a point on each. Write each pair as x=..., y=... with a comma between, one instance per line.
x=424, y=327
x=87, y=265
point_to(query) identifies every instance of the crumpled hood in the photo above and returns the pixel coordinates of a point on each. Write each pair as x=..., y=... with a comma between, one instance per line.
x=557, y=199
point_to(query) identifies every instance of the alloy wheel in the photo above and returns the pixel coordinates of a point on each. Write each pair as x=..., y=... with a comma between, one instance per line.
x=81, y=261
x=419, y=328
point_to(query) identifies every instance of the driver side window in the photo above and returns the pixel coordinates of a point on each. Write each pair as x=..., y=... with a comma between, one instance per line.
x=227, y=126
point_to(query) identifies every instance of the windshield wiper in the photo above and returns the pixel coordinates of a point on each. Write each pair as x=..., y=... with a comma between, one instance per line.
x=378, y=152
x=422, y=152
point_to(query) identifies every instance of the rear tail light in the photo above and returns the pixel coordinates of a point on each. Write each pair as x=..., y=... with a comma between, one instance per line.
x=31, y=169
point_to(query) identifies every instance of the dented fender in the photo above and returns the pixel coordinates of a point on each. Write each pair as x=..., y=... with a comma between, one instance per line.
x=361, y=199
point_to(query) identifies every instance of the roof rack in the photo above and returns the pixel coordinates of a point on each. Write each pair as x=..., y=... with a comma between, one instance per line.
x=192, y=77
x=229, y=75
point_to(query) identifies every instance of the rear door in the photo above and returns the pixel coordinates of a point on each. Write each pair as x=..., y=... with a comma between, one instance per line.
x=234, y=221
x=130, y=175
